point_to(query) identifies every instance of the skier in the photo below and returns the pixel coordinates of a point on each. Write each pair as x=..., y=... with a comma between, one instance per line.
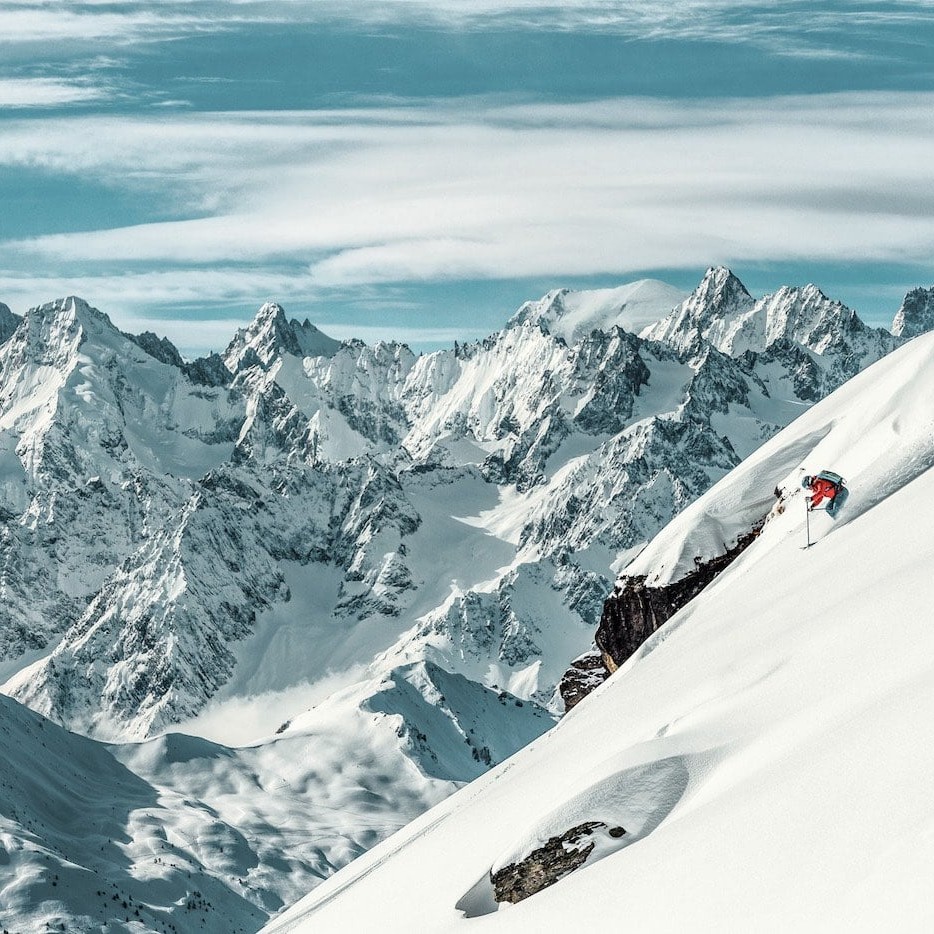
x=826, y=485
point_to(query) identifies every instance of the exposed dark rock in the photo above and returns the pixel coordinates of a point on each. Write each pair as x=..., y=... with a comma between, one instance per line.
x=807, y=377
x=205, y=371
x=619, y=373
x=209, y=371
x=161, y=348
x=549, y=863
x=916, y=316
x=634, y=611
x=585, y=674
x=8, y=323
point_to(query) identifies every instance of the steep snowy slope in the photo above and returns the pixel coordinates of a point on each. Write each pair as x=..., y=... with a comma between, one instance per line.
x=761, y=762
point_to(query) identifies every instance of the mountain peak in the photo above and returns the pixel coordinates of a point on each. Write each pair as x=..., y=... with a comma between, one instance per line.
x=71, y=307
x=272, y=334
x=311, y=341
x=573, y=315
x=718, y=300
x=52, y=331
x=720, y=287
x=916, y=315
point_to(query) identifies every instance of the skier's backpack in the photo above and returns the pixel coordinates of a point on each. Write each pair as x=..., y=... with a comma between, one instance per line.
x=827, y=475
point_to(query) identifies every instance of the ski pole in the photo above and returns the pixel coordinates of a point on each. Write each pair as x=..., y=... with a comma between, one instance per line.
x=807, y=522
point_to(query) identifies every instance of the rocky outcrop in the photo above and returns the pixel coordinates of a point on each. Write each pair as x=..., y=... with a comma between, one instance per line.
x=807, y=378
x=205, y=371
x=634, y=611
x=586, y=673
x=916, y=316
x=548, y=863
x=208, y=371
x=8, y=323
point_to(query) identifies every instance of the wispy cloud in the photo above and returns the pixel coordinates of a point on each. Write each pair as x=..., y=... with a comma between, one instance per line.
x=83, y=22
x=508, y=191
x=789, y=27
x=45, y=92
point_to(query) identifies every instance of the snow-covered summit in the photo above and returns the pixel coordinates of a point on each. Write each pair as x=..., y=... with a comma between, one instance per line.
x=53, y=331
x=572, y=315
x=718, y=300
x=271, y=334
x=836, y=342
x=916, y=315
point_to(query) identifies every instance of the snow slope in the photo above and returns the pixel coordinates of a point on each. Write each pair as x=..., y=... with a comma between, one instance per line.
x=765, y=750
x=179, y=833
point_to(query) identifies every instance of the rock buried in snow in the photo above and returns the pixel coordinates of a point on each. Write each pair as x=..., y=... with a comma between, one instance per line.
x=549, y=863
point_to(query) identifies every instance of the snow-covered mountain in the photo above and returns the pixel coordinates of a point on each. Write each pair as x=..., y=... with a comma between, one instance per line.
x=386, y=558
x=723, y=313
x=271, y=334
x=760, y=762
x=100, y=443
x=574, y=315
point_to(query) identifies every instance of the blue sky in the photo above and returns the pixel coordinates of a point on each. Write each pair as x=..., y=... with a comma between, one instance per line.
x=417, y=169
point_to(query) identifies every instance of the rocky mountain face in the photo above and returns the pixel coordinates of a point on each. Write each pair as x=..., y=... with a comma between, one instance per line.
x=708, y=312
x=101, y=442
x=8, y=323
x=440, y=529
x=271, y=334
x=916, y=315
x=724, y=314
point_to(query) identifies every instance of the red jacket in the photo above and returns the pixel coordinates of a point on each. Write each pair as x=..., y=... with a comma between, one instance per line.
x=821, y=490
